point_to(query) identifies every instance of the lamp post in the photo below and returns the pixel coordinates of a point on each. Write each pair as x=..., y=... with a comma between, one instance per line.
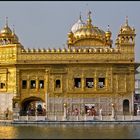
x=113, y=112
x=65, y=112
x=100, y=114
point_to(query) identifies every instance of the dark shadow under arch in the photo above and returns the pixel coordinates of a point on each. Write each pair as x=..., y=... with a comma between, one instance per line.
x=126, y=106
x=26, y=103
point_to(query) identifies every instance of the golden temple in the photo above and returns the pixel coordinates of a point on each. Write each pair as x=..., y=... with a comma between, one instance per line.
x=90, y=71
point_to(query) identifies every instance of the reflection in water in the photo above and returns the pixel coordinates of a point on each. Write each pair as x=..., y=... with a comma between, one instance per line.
x=92, y=131
x=7, y=132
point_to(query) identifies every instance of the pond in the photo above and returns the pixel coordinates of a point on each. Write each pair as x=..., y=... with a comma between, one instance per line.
x=70, y=131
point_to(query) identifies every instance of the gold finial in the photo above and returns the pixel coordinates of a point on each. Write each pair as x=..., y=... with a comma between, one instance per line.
x=89, y=18
x=80, y=16
x=14, y=29
x=108, y=28
x=126, y=21
x=6, y=21
x=108, y=33
x=89, y=13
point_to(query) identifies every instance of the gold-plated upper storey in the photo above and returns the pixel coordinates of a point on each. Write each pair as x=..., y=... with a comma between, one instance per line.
x=83, y=38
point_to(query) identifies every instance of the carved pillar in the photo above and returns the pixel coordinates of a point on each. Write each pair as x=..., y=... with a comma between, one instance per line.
x=7, y=75
x=106, y=81
x=17, y=88
x=125, y=81
x=117, y=83
x=28, y=83
x=46, y=87
x=83, y=82
x=61, y=83
x=95, y=81
x=132, y=104
x=37, y=85
x=47, y=80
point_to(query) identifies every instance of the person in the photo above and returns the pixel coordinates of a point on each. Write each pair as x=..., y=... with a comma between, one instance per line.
x=7, y=113
x=27, y=113
x=88, y=112
x=68, y=111
x=39, y=109
x=100, y=112
x=76, y=111
x=93, y=111
x=44, y=111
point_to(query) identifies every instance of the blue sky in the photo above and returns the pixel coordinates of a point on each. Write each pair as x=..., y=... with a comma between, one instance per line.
x=45, y=24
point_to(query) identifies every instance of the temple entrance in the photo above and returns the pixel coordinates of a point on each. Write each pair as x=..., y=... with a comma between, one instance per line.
x=90, y=109
x=125, y=106
x=33, y=106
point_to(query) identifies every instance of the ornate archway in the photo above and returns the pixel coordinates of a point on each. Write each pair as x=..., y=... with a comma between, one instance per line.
x=32, y=105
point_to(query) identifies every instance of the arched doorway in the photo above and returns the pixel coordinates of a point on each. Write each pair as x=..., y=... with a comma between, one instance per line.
x=126, y=106
x=33, y=106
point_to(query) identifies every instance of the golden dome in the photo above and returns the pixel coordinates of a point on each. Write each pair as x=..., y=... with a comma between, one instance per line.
x=6, y=30
x=85, y=34
x=108, y=33
x=86, y=30
x=93, y=31
x=7, y=34
x=126, y=28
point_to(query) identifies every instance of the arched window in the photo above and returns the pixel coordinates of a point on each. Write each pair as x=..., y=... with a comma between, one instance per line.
x=57, y=84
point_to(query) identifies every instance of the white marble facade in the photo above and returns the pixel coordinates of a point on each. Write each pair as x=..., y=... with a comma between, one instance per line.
x=6, y=102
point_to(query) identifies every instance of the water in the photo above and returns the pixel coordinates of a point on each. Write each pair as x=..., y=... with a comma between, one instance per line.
x=53, y=131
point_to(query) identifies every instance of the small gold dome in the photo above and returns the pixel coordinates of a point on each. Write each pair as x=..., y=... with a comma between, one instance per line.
x=108, y=32
x=126, y=28
x=6, y=30
x=7, y=34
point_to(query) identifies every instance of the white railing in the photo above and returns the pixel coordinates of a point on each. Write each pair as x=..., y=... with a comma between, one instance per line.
x=79, y=118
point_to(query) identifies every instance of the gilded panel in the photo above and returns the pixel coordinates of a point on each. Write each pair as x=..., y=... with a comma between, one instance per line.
x=121, y=79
